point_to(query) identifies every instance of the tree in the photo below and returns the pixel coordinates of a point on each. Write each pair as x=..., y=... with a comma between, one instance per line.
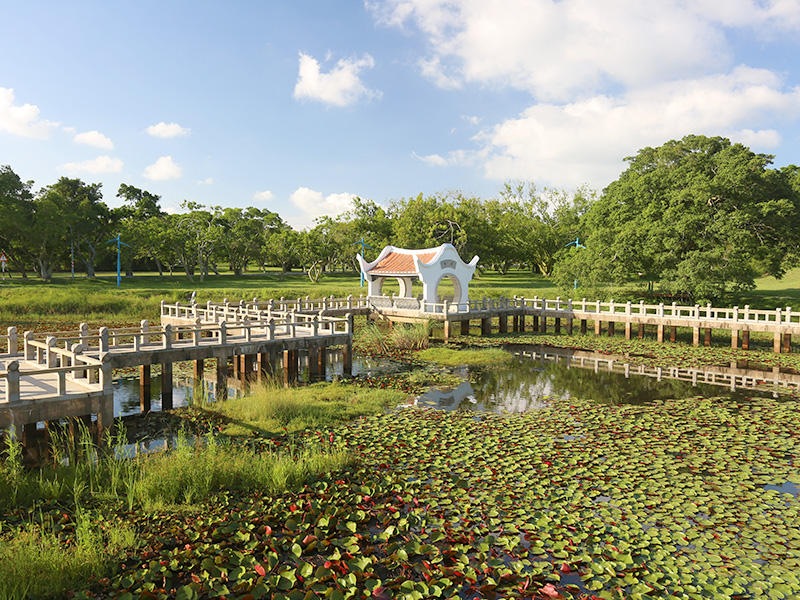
x=700, y=216
x=143, y=225
x=283, y=249
x=16, y=218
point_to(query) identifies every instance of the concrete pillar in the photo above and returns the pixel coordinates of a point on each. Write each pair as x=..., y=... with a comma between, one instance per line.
x=584, y=324
x=522, y=321
x=313, y=363
x=569, y=326
x=105, y=417
x=543, y=324
x=734, y=338
x=558, y=325
x=197, y=376
x=166, y=386
x=264, y=366
x=447, y=332
x=598, y=327
x=144, y=388
x=535, y=323
x=322, y=362
x=347, y=359
x=628, y=327
x=611, y=328
x=746, y=339
x=707, y=340
x=673, y=333
x=486, y=326
x=515, y=323
x=787, y=342
x=660, y=334
x=502, y=323
x=641, y=331
x=695, y=336
x=776, y=343
x=248, y=362
x=465, y=327
x=222, y=378
x=290, y=367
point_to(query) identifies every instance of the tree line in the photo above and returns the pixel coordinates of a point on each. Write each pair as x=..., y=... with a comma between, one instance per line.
x=699, y=216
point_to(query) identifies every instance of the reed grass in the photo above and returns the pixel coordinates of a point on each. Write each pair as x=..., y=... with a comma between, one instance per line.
x=456, y=358
x=271, y=409
x=412, y=336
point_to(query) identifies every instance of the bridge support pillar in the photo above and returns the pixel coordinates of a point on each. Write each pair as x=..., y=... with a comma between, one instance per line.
x=166, y=386
x=641, y=331
x=584, y=324
x=543, y=324
x=734, y=338
x=347, y=359
x=569, y=326
x=486, y=326
x=695, y=336
x=322, y=362
x=660, y=334
x=515, y=323
x=289, y=367
x=266, y=361
x=105, y=417
x=502, y=323
x=598, y=327
x=558, y=324
x=248, y=363
x=746, y=339
x=611, y=329
x=447, y=329
x=673, y=333
x=313, y=363
x=522, y=321
x=776, y=343
x=787, y=342
x=222, y=378
x=707, y=337
x=465, y=327
x=536, y=323
x=628, y=328
x=144, y=388
x=197, y=387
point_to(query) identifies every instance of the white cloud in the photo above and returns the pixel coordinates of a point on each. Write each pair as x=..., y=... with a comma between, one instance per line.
x=22, y=119
x=585, y=141
x=94, y=138
x=163, y=168
x=206, y=181
x=101, y=164
x=168, y=130
x=340, y=86
x=313, y=204
x=264, y=196
x=556, y=50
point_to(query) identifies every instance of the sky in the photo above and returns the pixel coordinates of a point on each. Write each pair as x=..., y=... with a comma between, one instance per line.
x=299, y=106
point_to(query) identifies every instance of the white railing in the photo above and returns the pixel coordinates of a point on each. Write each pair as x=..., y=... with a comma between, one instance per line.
x=85, y=372
x=697, y=312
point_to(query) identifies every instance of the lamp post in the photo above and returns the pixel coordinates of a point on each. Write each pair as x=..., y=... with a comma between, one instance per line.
x=577, y=244
x=120, y=243
x=363, y=245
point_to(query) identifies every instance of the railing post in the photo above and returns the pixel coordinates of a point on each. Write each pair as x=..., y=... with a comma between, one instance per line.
x=350, y=302
x=483, y=306
x=611, y=308
x=708, y=311
x=12, y=341
x=247, y=330
x=660, y=309
x=223, y=333
x=349, y=326
x=746, y=312
x=106, y=374
x=324, y=303
x=788, y=318
x=103, y=339
x=84, y=329
x=446, y=306
x=583, y=305
x=50, y=356
x=163, y=306
x=196, y=334
x=30, y=351
x=360, y=300
x=674, y=308
x=315, y=327
x=642, y=309
x=778, y=316
x=12, y=381
x=598, y=307
x=558, y=302
x=167, y=336
x=271, y=329
x=735, y=313
x=144, y=325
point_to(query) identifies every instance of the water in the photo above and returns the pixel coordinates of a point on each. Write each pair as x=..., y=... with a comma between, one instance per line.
x=541, y=372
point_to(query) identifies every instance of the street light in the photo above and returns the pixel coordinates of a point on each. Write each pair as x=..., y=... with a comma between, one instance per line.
x=577, y=244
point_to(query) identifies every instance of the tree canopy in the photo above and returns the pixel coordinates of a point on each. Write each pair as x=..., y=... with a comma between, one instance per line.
x=699, y=216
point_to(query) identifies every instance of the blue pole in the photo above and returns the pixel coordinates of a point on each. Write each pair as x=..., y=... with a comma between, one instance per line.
x=119, y=278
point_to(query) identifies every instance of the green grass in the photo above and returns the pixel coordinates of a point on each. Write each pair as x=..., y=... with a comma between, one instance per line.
x=273, y=410
x=456, y=358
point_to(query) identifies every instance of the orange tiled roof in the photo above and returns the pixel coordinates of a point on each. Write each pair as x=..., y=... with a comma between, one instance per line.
x=394, y=263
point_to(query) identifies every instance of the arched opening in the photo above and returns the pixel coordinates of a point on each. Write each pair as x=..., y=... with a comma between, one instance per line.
x=390, y=286
x=448, y=289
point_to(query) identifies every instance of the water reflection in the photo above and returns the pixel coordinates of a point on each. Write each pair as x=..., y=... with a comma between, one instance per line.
x=541, y=372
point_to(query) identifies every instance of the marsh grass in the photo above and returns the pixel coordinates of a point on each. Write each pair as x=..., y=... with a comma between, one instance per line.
x=35, y=561
x=195, y=471
x=456, y=358
x=412, y=336
x=271, y=409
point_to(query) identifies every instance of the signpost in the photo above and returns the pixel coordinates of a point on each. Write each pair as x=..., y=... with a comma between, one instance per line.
x=3, y=261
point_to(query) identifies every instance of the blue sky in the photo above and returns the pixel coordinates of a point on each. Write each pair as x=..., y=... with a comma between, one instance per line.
x=298, y=106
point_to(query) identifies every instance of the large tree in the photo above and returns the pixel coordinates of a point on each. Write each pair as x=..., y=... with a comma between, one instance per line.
x=16, y=218
x=699, y=215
